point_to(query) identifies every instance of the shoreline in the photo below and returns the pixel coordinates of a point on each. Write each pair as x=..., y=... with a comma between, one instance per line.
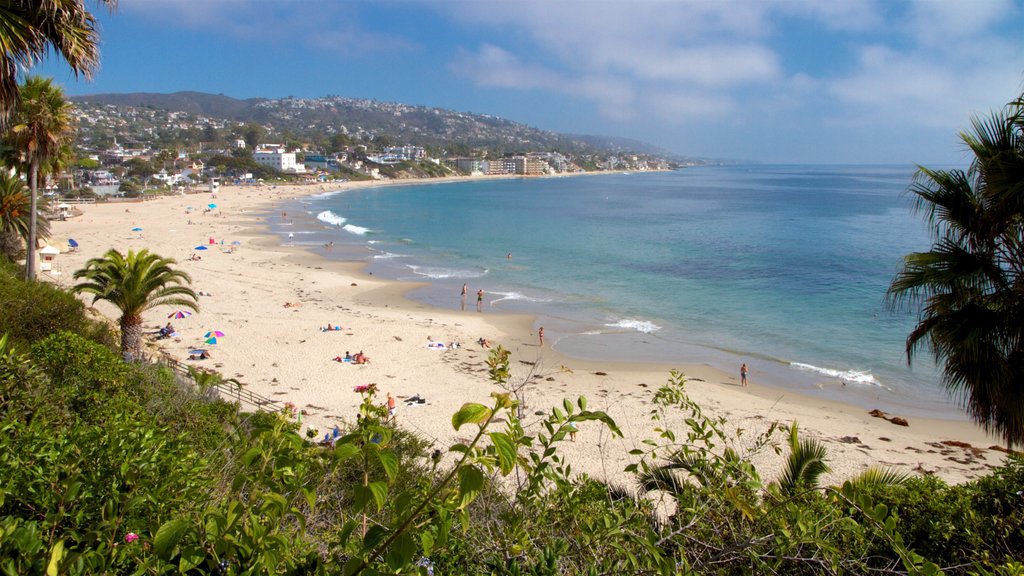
x=280, y=352
x=582, y=333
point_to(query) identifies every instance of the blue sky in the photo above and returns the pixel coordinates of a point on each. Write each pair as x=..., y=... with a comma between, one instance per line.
x=803, y=81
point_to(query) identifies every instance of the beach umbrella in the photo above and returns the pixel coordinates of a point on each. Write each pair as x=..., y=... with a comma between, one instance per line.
x=214, y=333
x=136, y=229
x=236, y=243
x=211, y=340
x=72, y=243
x=201, y=248
x=179, y=314
x=211, y=206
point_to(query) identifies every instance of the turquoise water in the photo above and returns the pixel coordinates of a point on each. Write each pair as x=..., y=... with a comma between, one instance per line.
x=782, y=267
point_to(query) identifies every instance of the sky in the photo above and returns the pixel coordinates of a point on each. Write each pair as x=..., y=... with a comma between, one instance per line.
x=780, y=81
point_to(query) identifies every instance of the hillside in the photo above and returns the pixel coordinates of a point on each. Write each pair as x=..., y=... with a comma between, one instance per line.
x=370, y=119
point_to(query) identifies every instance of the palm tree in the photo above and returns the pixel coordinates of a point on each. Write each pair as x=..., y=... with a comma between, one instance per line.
x=805, y=464
x=42, y=131
x=15, y=207
x=135, y=283
x=968, y=287
x=30, y=29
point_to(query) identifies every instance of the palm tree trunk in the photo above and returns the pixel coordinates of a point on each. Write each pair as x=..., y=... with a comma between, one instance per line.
x=30, y=256
x=131, y=338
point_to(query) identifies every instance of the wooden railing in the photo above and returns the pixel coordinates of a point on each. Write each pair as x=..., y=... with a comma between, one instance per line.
x=228, y=389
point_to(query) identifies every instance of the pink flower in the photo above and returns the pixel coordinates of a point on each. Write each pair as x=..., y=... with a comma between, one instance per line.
x=131, y=537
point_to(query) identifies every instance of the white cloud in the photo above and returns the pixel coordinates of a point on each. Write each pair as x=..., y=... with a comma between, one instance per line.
x=326, y=27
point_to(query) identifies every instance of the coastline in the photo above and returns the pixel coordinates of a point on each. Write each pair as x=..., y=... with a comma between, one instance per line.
x=280, y=352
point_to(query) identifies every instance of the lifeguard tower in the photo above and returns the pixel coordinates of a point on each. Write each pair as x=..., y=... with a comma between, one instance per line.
x=214, y=186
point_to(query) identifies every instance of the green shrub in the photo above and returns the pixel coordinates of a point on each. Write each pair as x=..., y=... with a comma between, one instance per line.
x=31, y=311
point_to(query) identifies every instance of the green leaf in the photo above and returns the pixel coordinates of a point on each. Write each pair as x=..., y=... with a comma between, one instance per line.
x=401, y=552
x=471, y=481
x=379, y=489
x=374, y=536
x=470, y=413
x=56, y=555
x=505, y=449
x=168, y=536
x=345, y=451
x=389, y=462
x=427, y=542
x=360, y=497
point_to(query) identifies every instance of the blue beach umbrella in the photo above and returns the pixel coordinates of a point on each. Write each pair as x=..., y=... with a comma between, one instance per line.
x=201, y=248
x=211, y=340
x=72, y=243
x=236, y=243
x=136, y=229
x=211, y=206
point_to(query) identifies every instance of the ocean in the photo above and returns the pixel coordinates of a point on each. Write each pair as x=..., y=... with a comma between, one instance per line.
x=782, y=267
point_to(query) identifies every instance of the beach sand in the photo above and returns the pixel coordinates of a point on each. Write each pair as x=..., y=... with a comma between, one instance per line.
x=280, y=352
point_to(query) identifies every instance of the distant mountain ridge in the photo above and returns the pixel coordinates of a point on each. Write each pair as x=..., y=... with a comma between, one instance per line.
x=404, y=123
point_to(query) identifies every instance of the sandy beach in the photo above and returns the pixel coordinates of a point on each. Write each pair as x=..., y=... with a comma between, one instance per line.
x=271, y=300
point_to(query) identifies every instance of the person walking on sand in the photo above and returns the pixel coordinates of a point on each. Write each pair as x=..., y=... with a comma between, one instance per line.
x=743, y=374
x=480, y=300
x=540, y=334
x=465, y=289
x=391, y=406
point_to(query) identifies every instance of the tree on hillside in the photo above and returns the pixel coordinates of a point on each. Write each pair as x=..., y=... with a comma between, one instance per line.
x=253, y=135
x=41, y=133
x=135, y=283
x=969, y=286
x=30, y=29
x=15, y=207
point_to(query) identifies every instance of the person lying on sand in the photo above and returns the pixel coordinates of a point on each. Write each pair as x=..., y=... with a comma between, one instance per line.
x=330, y=328
x=484, y=342
x=360, y=358
x=201, y=356
x=292, y=304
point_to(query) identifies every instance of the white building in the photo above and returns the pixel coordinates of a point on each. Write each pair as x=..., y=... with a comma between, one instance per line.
x=274, y=156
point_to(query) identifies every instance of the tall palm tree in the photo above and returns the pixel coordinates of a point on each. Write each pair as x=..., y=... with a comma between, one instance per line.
x=15, y=208
x=42, y=130
x=30, y=29
x=969, y=287
x=135, y=283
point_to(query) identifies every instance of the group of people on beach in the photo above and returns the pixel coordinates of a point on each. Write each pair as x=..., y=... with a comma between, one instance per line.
x=479, y=297
x=358, y=358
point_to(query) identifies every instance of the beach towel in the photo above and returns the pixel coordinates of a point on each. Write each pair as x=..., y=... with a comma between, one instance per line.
x=342, y=360
x=436, y=345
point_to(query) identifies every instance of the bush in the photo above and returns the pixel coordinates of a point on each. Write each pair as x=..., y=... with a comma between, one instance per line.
x=31, y=311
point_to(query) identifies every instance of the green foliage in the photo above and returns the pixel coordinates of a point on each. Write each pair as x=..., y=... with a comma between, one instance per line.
x=121, y=468
x=30, y=311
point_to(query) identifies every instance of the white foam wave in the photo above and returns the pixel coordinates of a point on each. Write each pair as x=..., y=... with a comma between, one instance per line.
x=373, y=241
x=517, y=296
x=644, y=326
x=387, y=256
x=331, y=218
x=355, y=229
x=440, y=272
x=851, y=376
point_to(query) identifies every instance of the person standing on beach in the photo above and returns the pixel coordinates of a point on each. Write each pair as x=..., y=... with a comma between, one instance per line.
x=540, y=334
x=465, y=289
x=480, y=300
x=743, y=374
x=391, y=406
